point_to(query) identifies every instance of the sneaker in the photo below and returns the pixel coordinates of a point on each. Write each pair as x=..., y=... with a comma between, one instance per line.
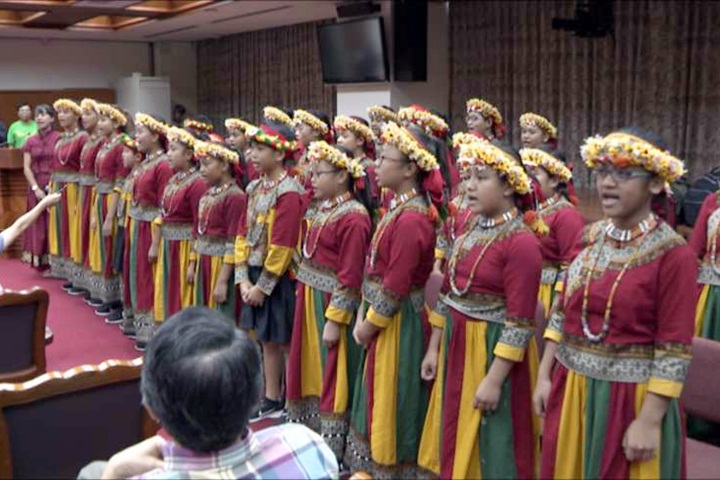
x=76, y=292
x=269, y=409
x=67, y=286
x=114, y=318
x=103, y=311
x=127, y=327
x=95, y=302
x=143, y=335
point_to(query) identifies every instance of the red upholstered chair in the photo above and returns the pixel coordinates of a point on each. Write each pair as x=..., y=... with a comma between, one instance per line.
x=53, y=425
x=701, y=397
x=22, y=334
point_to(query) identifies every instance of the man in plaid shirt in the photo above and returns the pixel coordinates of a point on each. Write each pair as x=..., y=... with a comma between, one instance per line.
x=201, y=380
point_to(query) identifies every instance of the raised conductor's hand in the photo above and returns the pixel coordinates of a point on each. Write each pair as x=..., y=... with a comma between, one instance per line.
x=50, y=200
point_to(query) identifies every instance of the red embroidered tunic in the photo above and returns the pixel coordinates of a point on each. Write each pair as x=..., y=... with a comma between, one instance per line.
x=652, y=315
x=150, y=184
x=67, y=151
x=87, y=155
x=704, y=240
x=220, y=212
x=109, y=166
x=181, y=200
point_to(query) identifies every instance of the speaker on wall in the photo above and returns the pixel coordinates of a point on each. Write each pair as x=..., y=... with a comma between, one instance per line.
x=410, y=29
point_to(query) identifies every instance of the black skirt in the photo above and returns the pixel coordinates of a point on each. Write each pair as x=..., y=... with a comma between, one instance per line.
x=119, y=250
x=272, y=322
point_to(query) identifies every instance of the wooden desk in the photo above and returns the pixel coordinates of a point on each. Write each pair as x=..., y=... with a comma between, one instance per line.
x=13, y=193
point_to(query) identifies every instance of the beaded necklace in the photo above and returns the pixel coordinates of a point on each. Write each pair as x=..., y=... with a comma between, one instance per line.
x=548, y=203
x=67, y=137
x=503, y=220
x=397, y=206
x=329, y=205
x=206, y=203
x=267, y=186
x=611, y=231
x=173, y=188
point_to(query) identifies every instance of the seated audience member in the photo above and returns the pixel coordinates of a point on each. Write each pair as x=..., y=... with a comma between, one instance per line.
x=3, y=134
x=8, y=236
x=201, y=381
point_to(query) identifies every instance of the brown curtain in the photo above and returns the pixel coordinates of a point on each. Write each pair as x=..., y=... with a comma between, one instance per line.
x=240, y=74
x=660, y=70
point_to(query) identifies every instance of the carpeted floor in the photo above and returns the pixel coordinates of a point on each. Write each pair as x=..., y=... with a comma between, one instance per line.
x=81, y=337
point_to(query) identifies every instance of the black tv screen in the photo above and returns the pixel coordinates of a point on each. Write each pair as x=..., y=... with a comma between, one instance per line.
x=353, y=52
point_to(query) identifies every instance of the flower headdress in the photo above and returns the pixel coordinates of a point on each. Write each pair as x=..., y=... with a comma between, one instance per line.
x=151, y=123
x=429, y=122
x=530, y=119
x=358, y=128
x=180, y=135
x=238, y=124
x=67, y=104
x=463, y=138
x=199, y=125
x=272, y=137
x=485, y=153
x=400, y=138
x=215, y=150
x=88, y=104
x=626, y=150
x=533, y=157
x=307, y=118
x=130, y=142
x=378, y=112
x=323, y=151
x=488, y=110
x=107, y=110
x=276, y=115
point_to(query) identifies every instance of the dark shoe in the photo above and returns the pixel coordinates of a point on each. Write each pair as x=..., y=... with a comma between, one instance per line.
x=143, y=336
x=269, y=409
x=127, y=327
x=68, y=286
x=77, y=292
x=104, y=310
x=114, y=318
x=95, y=302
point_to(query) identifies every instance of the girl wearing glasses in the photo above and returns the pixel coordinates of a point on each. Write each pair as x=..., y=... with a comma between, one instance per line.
x=479, y=423
x=619, y=342
x=390, y=398
x=323, y=354
x=558, y=212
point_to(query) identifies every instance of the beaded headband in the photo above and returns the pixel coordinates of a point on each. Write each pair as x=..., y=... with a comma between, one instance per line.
x=150, y=123
x=343, y=122
x=403, y=140
x=180, y=135
x=238, y=124
x=67, y=104
x=464, y=138
x=378, y=112
x=107, y=110
x=303, y=116
x=625, y=150
x=427, y=121
x=484, y=153
x=196, y=124
x=278, y=116
x=88, y=104
x=529, y=119
x=270, y=138
x=215, y=150
x=486, y=109
x=323, y=151
x=533, y=157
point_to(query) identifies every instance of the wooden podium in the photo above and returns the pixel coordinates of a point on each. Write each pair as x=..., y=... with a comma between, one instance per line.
x=13, y=193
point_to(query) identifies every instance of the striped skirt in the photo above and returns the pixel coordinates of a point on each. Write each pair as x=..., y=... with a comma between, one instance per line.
x=64, y=230
x=172, y=290
x=141, y=274
x=586, y=420
x=318, y=380
x=707, y=314
x=390, y=400
x=207, y=273
x=102, y=282
x=460, y=441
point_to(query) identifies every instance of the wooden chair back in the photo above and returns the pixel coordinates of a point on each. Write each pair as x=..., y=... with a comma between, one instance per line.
x=23, y=315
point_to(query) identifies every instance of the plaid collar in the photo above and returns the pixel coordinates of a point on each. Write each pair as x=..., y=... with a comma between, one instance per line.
x=178, y=458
